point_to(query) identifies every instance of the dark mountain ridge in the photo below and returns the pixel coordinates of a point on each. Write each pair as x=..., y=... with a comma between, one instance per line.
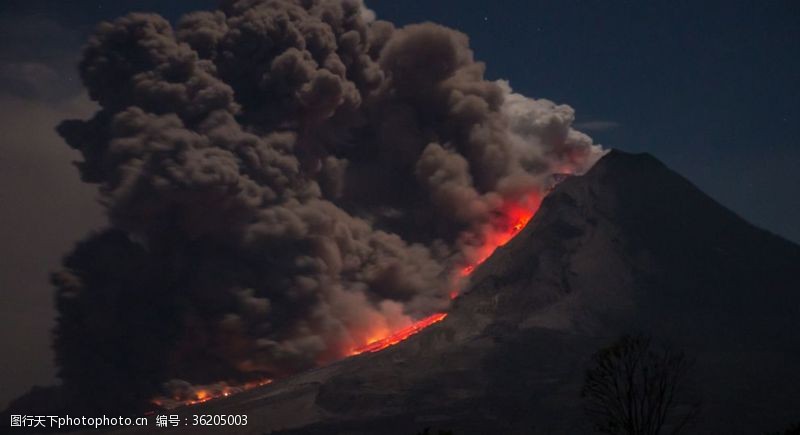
x=629, y=247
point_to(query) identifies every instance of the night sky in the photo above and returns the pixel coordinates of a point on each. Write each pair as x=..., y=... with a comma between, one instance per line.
x=711, y=89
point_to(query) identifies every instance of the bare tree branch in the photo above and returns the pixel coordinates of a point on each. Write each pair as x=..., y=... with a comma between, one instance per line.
x=635, y=387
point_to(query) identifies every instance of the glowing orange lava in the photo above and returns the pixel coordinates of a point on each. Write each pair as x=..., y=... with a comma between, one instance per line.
x=510, y=221
x=201, y=394
x=398, y=336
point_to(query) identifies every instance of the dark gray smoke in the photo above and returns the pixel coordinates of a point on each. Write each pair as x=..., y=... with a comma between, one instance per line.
x=283, y=178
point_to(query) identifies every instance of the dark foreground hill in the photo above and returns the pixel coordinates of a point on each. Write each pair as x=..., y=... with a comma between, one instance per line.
x=629, y=247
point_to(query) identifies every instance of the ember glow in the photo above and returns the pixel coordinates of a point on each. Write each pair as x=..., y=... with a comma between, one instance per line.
x=508, y=224
x=381, y=343
x=189, y=395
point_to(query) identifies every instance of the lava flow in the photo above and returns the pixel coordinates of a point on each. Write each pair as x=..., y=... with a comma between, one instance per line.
x=193, y=395
x=511, y=222
x=398, y=336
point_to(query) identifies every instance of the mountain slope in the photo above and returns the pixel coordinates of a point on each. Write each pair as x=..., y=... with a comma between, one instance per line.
x=629, y=247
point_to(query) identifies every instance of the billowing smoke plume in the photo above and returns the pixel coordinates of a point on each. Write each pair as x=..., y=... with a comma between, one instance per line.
x=282, y=179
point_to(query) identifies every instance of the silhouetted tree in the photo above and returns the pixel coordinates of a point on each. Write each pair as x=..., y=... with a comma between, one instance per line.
x=634, y=387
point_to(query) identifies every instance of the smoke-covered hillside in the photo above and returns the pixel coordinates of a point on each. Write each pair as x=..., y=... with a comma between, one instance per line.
x=285, y=181
x=631, y=247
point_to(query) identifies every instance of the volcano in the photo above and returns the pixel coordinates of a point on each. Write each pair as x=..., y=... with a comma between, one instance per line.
x=629, y=247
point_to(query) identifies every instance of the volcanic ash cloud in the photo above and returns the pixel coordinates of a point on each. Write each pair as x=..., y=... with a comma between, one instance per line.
x=284, y=180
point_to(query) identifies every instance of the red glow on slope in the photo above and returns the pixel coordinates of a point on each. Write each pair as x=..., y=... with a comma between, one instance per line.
x=202, y=394
x=509, y=222
x=398, y=336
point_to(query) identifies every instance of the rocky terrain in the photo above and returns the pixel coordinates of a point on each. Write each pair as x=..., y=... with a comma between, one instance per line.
x=629, y=247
